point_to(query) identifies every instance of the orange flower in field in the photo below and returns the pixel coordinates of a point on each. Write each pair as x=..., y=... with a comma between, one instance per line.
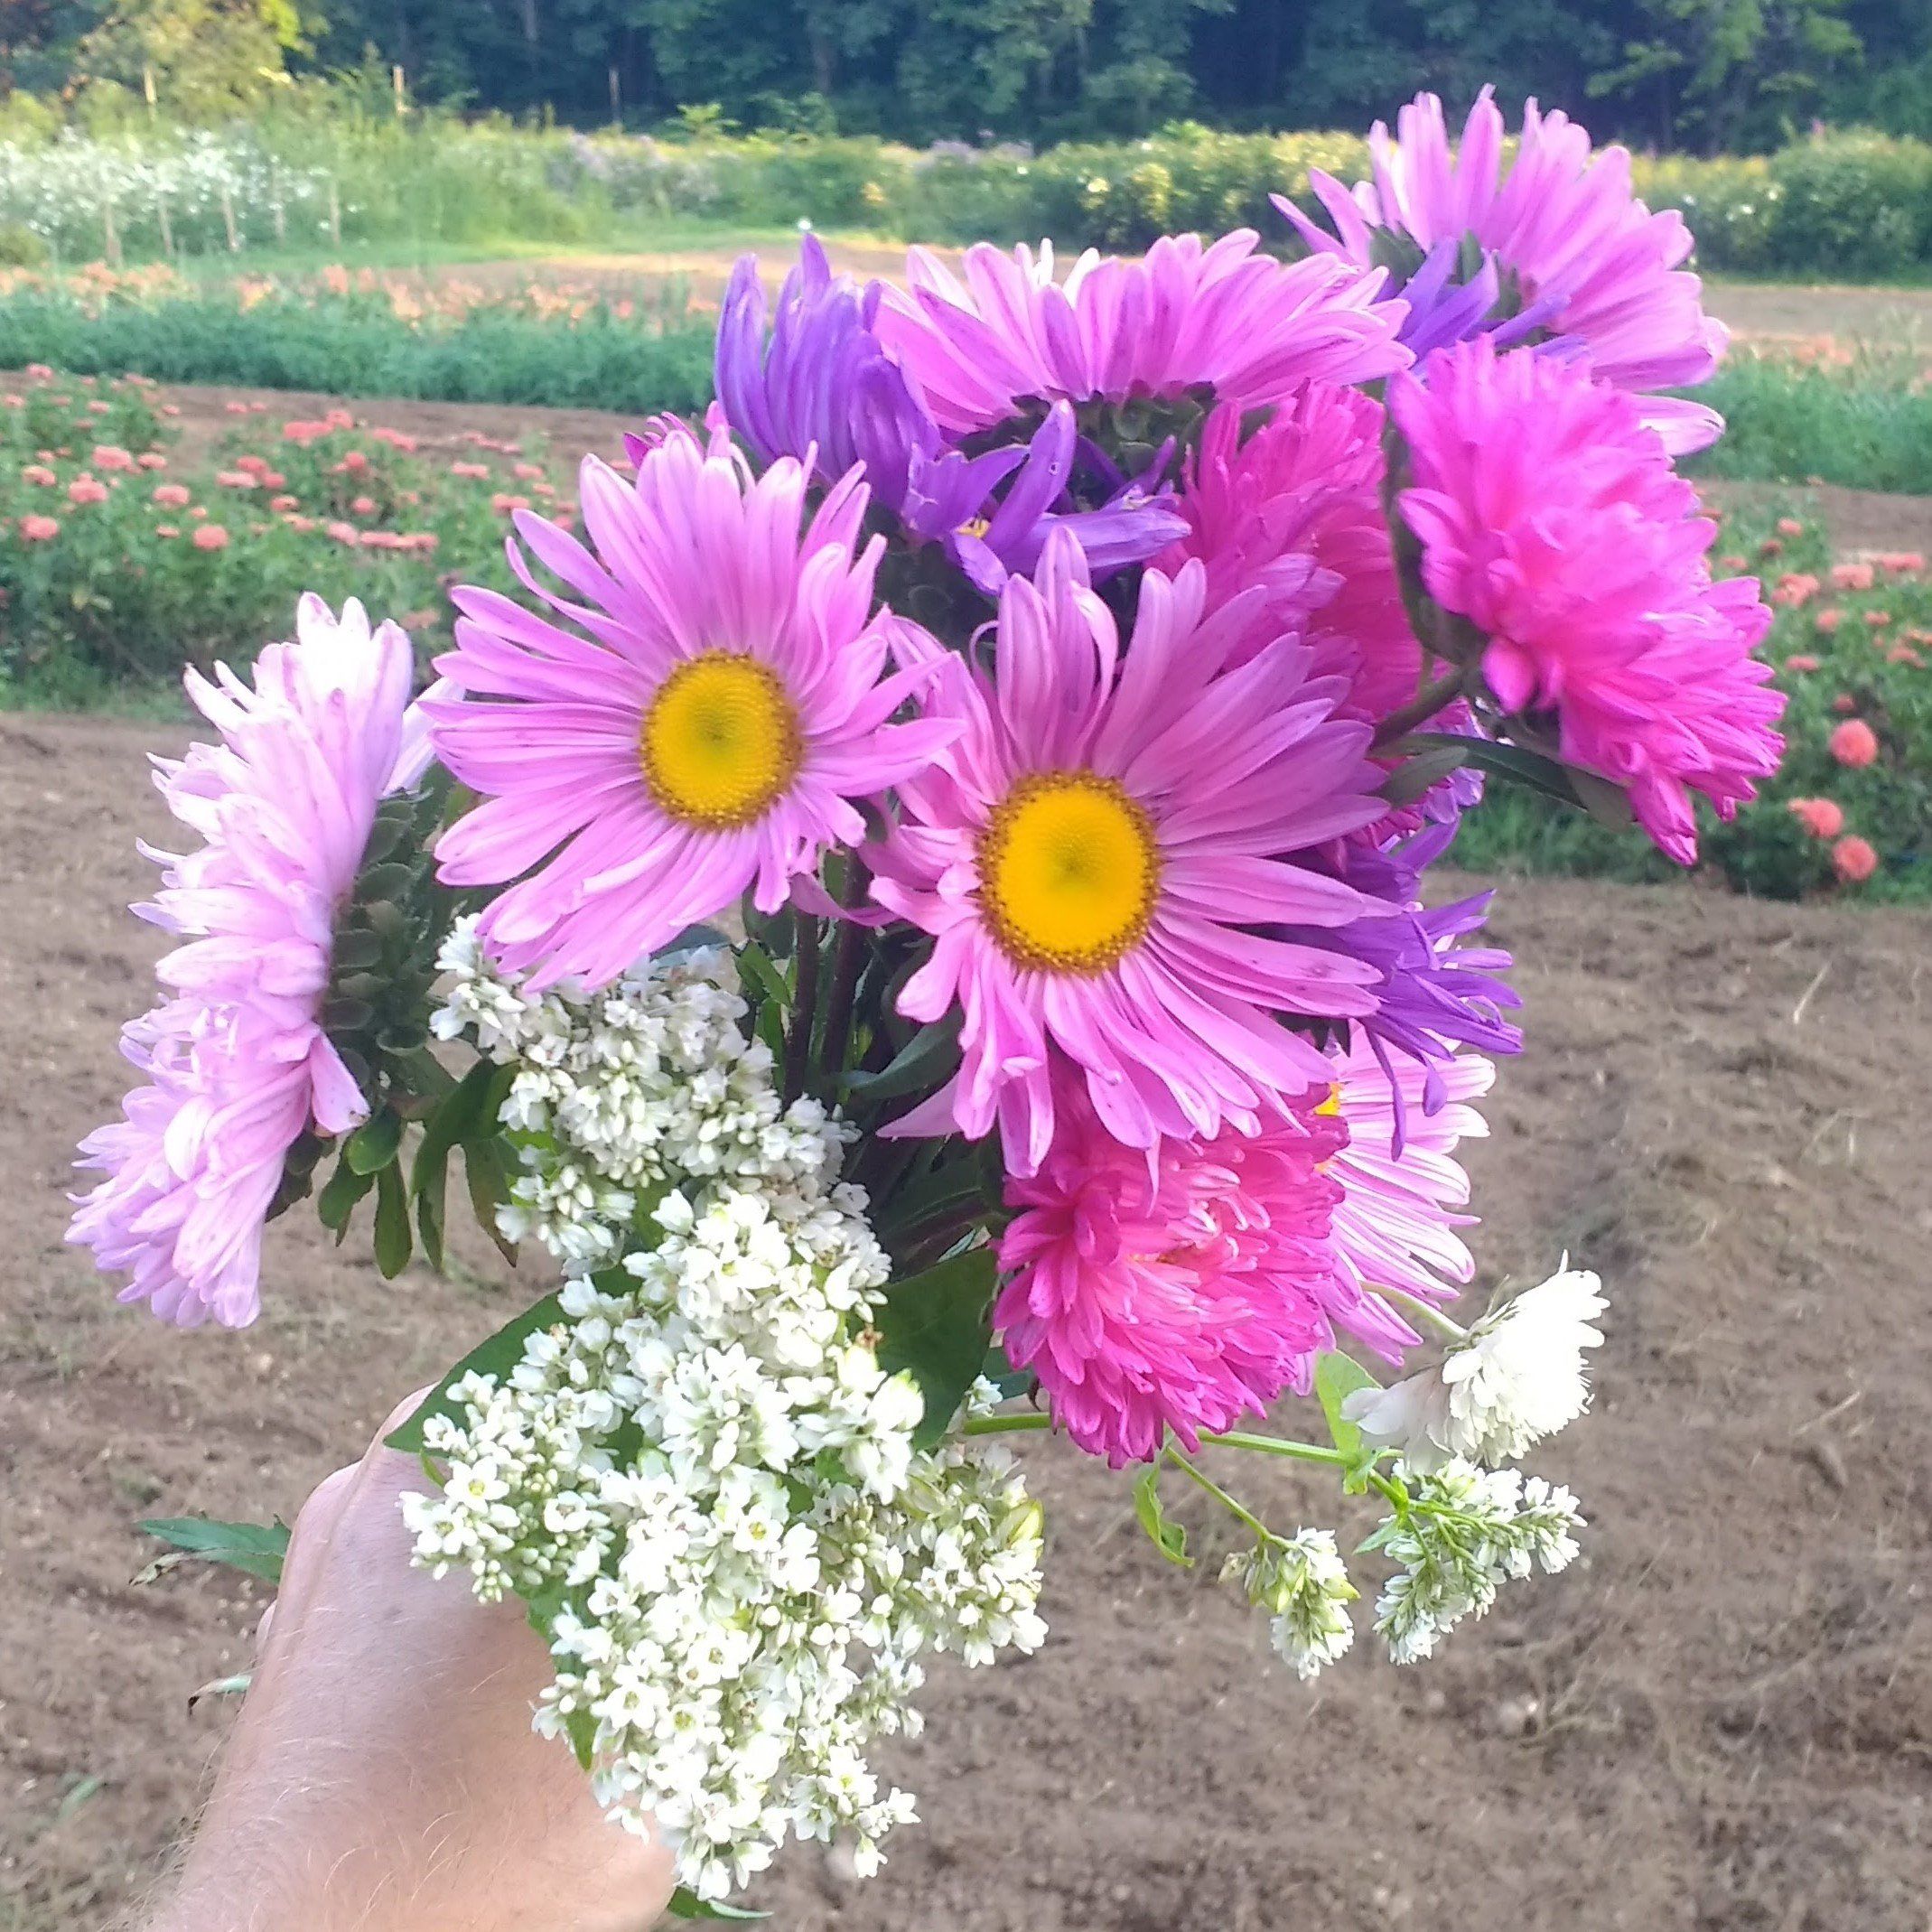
x=85, y=488
x=40, y=372
x=235, y=479
x=362, y=507
x=39, y=529
x=271, y=479
x=172, y=496
x=11, y=401
x=198, y=511
x=211, y=536
x=1845, y=703
x=170, y=409
x=1852, y=576
x=1827, y=622
x=1801, y=660
x=303, y=524
x=112, y=456
x=167, y=529
x=354, y=463
x=1905, y=654
x=1878, y=619
x=40, y=475
x=1790, y=527
x=1902, y=563
x=255, y=466
x=1733, y=562
x=503, y=503
x=1854, y=742
x=338, y=419
x=1853, y=860
x=284, y=501
x=461, y=468
x=531, y=472
x=1822, y=817
x=303, y=433
x=236, y=408
x=344, y=533
x=99, y=407
x=1770, y=547
x=151, y=459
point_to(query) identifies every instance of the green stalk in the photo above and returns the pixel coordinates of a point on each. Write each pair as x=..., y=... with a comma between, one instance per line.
x=803, y=1005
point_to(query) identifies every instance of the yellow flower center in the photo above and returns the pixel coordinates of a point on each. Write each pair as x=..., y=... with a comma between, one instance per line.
x=720, y=741
x=1070, y=870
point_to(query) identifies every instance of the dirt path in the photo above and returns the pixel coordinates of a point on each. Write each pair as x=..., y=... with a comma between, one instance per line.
x=1720, y=1719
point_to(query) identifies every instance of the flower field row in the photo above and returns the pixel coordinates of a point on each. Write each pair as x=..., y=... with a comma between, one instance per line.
x=118, y=562
x=1848, y=203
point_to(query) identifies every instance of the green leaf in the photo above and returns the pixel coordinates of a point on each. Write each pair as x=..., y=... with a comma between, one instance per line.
x=487, y=1174
x=496, y=1355
x=1168, y=1536
x=374, y=1144
x=258, y=1548
x=393, y=1238
x=693, y=939
x=686, y=1904
x=924, y=1060
x=767, y=983
x=1536, y=770
x=337, y=1201
x=1337, y=1377
x=935, y=1325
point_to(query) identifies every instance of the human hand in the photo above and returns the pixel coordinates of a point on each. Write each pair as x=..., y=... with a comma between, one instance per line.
x=383, y=1772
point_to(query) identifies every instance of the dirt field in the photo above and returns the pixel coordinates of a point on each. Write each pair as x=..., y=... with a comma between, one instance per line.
x=1720, y=1719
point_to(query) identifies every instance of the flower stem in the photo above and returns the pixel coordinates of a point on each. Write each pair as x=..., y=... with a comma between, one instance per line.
x=1027, y=1424
x=1421, y=708
x=804, y=1005
x=1267, y=1445
x=848, y=963
x=1214, y=1490
x=1425, y=1314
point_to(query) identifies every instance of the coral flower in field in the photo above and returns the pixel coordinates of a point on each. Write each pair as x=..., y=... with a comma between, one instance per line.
x=85, y=489
x=1089, y=856
x=39, y=476
x=1589, y=264
x=712, y=734
x=1174, y=1292
x=1249, y=327
x=167, y=530
x=1796, y=587
x=111, y=456
x=38, y=529
x=1822, y=817
x=237, y=1063
x=1854, y=742
x=1845, y=704
x=1853, y=860
x=1878, y=619
x=172, y=496
x=1550, y=517
x=362, y=507
x=1790, y=526
x=1826, y=622
x=1852, y=576
x=471, y=470
x=1802, y=661
x=211, y=536
x=285, y=502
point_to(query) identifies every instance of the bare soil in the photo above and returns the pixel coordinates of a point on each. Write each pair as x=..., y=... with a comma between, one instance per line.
x=1722, y=1719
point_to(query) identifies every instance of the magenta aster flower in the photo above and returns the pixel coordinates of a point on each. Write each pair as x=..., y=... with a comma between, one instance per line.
x=1091, y=852
x=708, y=735
x=237, y=1062
x=1402, y=1189
x=1178, y=1293
x=1250, y=328
x=1590, y=265
x=1551, y=518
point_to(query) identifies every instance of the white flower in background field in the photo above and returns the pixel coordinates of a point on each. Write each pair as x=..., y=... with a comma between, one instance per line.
x=1514, y=1377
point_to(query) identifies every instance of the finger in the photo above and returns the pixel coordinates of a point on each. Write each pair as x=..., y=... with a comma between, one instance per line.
x=398, y=1416
x=308, y=1545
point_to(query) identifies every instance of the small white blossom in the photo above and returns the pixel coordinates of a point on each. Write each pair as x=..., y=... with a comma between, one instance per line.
x=1516, y=1377
x=1304, y=1585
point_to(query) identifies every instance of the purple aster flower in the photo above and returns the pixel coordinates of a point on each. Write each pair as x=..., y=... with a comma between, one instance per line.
x=237, y=1063
x=1591, y=265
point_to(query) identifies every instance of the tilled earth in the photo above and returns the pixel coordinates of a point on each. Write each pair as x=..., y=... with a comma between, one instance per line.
x=1720, y=1719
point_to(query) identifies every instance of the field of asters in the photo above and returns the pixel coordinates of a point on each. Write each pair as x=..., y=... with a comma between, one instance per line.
x=919, y=914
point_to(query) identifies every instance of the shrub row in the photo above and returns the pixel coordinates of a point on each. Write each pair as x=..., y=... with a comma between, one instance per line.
x=1850, y=203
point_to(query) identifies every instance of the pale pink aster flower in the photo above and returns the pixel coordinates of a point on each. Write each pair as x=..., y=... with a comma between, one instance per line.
x=1175, y=1293
x=1091, y=853
x=1250, y=328
x=238, y=1065
x=708, y=734
x=1397, y=1224
x=1593, y=265
x=1550, y=517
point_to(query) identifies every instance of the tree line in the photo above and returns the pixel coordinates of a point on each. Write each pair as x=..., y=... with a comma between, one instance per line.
x=1703, y=75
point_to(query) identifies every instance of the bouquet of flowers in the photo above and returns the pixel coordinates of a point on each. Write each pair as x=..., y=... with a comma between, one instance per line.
x=921, y=916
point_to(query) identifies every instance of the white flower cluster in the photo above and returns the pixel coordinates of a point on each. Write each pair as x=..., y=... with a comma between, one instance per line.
x=1466, y=1532
x=1302, y=1583
x=619, y=1095
x=699, y=1476
x=1516, y=1377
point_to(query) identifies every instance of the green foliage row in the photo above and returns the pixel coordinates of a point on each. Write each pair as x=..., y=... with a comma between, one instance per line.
x=353, y=347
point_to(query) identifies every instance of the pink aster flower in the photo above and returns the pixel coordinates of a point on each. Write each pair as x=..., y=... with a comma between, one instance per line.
x=1091, y=854
x=1550, y=518
x=708, y=733
x=1250, y=328
x=1178, y=1293
x=237, y=1063
x=1396, y=1224
x=1592, y=266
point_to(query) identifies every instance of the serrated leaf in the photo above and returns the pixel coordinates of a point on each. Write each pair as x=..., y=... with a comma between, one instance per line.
x=1168, y=1536
x=935, y=1325
x=373, y=1144
x=394, y=1241
x=258, y=1548
x=496, y=1355
x=686, y=1904
x=1337, y=1377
